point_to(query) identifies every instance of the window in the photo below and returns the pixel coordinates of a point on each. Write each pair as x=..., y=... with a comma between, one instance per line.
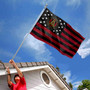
x=45, y=78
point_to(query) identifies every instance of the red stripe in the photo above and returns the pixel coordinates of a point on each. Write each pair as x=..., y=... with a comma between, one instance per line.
x=66, y=30
x=53, y=34
x=46, y=36
x=44, y=28
x=50, y=44
x=70, y=39
x=76, y=31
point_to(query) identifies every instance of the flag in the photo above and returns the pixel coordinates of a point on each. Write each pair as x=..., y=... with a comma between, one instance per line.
x=57, y=33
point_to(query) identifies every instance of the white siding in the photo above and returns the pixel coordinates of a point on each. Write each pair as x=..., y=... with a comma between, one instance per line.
x=33, y=80
x=3, y=83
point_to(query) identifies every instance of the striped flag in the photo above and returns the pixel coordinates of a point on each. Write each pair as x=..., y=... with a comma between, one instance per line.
x=57, y=33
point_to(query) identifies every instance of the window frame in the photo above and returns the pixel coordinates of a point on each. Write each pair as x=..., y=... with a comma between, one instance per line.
x=48, y=85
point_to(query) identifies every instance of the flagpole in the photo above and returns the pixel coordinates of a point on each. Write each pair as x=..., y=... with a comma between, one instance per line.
x=29, y=32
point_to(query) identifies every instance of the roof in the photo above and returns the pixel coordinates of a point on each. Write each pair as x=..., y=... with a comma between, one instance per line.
x=34, y=64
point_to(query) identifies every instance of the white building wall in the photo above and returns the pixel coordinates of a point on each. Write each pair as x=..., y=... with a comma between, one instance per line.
x=33, y=80
x=3, y=83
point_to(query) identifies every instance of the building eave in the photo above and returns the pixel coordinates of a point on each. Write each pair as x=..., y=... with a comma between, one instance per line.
x=24, y=69
x=45, y=67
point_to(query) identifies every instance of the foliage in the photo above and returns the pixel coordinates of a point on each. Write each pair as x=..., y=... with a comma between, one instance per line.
x=57, y=68
x=62, y=75
x=64, y=78
x=71, y=86
x=85, y=84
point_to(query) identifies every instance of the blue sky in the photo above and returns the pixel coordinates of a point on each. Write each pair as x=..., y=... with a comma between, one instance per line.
x=16, y=20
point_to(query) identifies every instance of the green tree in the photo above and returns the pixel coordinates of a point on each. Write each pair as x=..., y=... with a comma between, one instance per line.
x=57, y=68
x=62, y=75
x=71, y=86
x=84, y=84
x=64, y=78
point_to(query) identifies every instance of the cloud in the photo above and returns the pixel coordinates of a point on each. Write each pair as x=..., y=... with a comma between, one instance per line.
x=87, y=21
x=8, y=55
x=49, y=2
x=88, y=10
x=72, y=79
x=67, y=75
x=44, y=2
x=76, y=84
x=31, y=44
x=41, y=53
x=73, y=2
x=84, y=50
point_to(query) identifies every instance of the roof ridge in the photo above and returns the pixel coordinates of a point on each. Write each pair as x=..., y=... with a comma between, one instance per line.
x=22, y=64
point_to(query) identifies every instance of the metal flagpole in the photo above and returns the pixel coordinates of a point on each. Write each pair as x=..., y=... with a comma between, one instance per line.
x=29, y=31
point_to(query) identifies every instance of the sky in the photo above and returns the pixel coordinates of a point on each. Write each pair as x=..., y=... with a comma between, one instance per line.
x=17, y=18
